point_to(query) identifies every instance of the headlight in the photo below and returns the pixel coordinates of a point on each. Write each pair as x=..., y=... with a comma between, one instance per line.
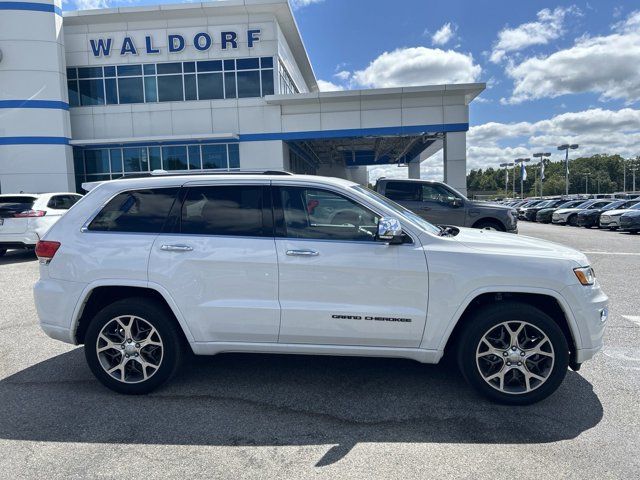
x=585, y=275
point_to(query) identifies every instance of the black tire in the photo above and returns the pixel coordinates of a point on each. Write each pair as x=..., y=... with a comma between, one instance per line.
x=490, y=225
x=572, y=221
x=167, y=329
x=2, y=252
x=492, y=316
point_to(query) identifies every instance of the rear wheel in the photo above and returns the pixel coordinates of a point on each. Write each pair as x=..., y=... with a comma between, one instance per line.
x=490, y=225
x=572, y=220
x=513, y=353
x=133, y=346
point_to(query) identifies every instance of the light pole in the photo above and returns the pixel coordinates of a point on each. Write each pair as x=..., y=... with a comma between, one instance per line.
x=566, y=148
x=624, y=176
x=541, y=156
x=633, y=169
x=523, y=173
x=586, y=182
x=506, y=175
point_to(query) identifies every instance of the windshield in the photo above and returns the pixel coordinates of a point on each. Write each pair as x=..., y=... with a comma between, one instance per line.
x=613, y=205
x=399, y=209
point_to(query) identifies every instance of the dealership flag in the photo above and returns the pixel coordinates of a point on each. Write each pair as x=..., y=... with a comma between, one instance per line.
x=523, y=171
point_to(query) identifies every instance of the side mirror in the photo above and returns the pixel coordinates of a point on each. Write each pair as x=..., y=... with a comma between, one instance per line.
x=389, y=230
x=456, y=202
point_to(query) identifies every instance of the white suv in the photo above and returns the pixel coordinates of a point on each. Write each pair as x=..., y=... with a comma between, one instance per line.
x=25, y=218
x=142, y=270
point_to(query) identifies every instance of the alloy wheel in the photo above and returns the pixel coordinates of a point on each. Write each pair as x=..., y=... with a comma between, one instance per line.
x=515, y=357
x=129, y=349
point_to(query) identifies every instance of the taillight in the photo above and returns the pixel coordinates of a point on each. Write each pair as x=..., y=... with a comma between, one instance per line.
x=30, y=213
x=45, y=250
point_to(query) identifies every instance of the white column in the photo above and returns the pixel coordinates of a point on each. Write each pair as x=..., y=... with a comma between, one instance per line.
x=414, y=168
x=34, y=117
x=359, y=175
x=455, y=160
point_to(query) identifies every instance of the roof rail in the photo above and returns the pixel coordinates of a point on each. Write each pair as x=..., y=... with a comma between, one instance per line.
x=182, y=173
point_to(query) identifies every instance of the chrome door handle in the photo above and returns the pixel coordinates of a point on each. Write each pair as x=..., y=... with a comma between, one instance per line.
x=176, y=248
x=302, y=253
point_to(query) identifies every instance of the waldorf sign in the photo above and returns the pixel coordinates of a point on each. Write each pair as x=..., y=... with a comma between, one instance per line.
x=176, y=43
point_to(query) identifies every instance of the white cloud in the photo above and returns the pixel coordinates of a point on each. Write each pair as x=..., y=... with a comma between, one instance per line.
x=343, y=75
x=296, y=4
x=549, y=26
x=91, y=4
x=444, y=34
x=607, y=65
x=326, y=86
x=595, y=130
x=417, y=66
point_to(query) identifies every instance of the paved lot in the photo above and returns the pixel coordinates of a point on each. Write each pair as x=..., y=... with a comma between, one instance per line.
x=245, y=416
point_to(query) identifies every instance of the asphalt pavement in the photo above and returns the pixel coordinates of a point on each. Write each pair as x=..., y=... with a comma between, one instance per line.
x=257, y=416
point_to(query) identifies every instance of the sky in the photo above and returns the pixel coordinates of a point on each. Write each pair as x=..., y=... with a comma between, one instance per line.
x=556, y=72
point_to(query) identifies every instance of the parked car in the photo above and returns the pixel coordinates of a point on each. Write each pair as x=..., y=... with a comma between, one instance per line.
x=531, y=212
x=440, y=204
x=569, y=216
x=611, y=219
x=545, y=214
x=630, y=221
x=24, y=218
x=522, y=209
x=253, y=263
x=591, y=218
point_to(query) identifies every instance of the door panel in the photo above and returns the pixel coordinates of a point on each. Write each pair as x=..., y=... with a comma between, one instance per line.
x=225, y=287
x=221, y=265
x=337, y=291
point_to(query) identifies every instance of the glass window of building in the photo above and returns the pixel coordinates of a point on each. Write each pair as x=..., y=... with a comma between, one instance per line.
x=174, y=158
x=173, y=81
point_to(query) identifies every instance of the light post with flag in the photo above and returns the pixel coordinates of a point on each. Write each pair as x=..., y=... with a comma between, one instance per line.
x=541, y=156
x=566, y=147
x=523, y=174
x=506, y=175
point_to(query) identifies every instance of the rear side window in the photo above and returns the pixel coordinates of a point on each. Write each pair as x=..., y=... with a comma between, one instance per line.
x=63, y=202
x=229, y=210
x=12, y=205
x=403, y=191
x=141, y=211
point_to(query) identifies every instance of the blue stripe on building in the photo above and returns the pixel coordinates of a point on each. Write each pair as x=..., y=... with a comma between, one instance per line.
x=34, y=141
x=51, y=104
x=309, y=135
x=31, y=6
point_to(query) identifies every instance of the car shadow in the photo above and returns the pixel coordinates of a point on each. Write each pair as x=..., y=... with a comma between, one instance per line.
x=17, y=256
x=266, y=400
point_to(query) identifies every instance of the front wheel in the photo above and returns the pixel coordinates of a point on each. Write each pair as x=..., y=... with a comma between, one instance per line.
x=2, y=252
x=133, y=346
x=513, y=353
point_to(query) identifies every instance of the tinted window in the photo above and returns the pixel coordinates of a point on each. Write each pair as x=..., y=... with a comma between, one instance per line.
x=224, y=210
x=249, y=84
x=136, y=211
x=11, y=205
x=131, y=90
x=324, y=215
x=91, y=92
x=170, y=88
x=400, y=191
x=437, y=193
x=174, y=158
x=214, y=156
x=62, y=202
x=210, y=86
x=190, y=89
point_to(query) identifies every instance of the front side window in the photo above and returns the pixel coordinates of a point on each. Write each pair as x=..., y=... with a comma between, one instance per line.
x=229, y=210
x=141, y=211
x=323, y=215
x=436, y=193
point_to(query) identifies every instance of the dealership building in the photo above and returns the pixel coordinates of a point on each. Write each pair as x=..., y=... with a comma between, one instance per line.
x=95, y=95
